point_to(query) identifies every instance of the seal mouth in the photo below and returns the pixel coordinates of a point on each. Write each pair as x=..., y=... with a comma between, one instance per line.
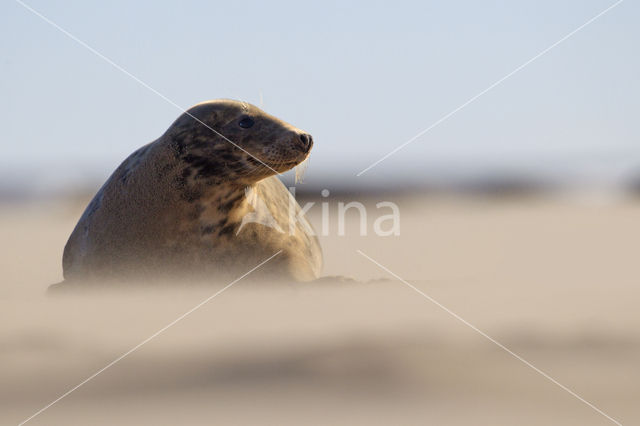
x=288, y=165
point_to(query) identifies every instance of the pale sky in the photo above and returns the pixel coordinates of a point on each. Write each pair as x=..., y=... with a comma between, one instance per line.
x=361, y=77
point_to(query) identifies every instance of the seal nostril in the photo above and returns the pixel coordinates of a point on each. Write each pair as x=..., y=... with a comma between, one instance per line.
x=306, y=140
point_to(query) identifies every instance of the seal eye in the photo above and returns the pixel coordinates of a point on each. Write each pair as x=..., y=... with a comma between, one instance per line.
x=245, y=123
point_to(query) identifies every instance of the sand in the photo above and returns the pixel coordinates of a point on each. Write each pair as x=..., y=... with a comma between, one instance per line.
x=554, y=279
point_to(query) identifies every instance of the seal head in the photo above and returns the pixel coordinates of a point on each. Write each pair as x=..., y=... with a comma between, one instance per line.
x=235, y=141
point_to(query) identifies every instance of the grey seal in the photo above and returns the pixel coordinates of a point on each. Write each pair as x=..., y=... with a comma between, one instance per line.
x=178, y=207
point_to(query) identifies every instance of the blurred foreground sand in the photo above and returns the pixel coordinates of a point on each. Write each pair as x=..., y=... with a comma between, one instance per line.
x=556, y=280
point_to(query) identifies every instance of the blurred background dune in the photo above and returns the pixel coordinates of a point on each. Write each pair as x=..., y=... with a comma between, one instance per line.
x=520, y=213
